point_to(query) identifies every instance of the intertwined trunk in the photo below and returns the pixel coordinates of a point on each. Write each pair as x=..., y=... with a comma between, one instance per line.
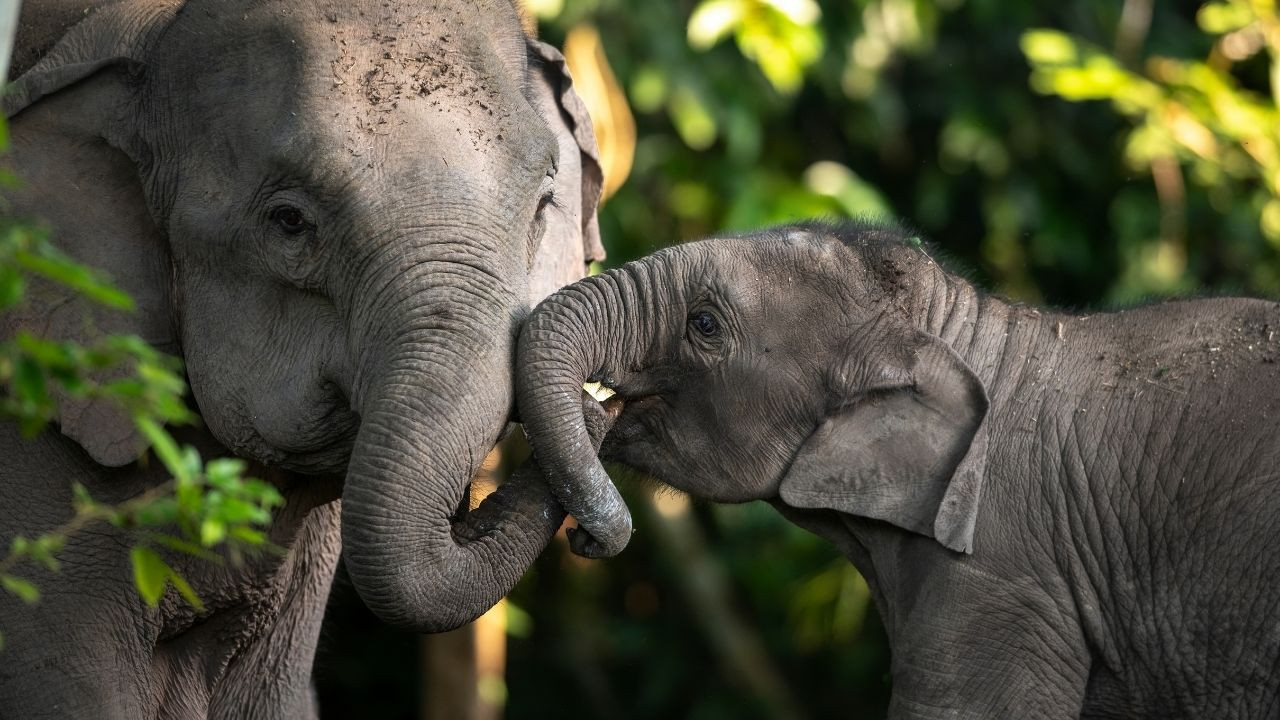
x=434, y=397
x=582, y=333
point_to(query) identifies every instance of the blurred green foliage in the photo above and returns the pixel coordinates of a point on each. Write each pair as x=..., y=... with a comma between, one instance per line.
x=206, y=506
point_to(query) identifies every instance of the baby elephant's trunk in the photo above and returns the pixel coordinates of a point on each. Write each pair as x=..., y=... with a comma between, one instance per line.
x=574, y=335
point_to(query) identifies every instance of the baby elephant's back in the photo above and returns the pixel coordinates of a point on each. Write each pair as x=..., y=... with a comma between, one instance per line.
x=1204, y=555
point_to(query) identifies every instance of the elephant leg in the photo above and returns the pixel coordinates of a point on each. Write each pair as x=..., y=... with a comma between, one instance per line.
x=271, y=676
x=1011, y=651
x=81, y=651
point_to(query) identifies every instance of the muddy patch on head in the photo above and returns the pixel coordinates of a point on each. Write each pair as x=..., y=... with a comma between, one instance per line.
x=412, y=55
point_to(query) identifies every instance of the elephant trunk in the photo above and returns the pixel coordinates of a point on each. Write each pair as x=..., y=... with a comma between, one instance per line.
x=582, y=333
x=431, y=412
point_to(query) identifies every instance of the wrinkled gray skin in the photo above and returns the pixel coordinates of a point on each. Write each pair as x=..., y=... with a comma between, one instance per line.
x=337, y=214
x=1058, y=514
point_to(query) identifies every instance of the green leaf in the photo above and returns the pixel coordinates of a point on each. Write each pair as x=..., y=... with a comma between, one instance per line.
x=149, y=574
x=264, y=493
x=189, y=548
x=712, y=20
x=249, y=536
x=223, y=473
x=28, y=593
x=132, y=346
x=81, y=500
x=234, y=510
x=163, y=444
x=161, y=379
x=126, y=389
x=186, y=591
x=212, y=532
x=28, y=380
x=11, y=287
x=45, y=352
x=43, y=549
x=1, y=641
x=1219, y=18
x=62, y=269
x=160, y=511
x=192, y=465
x=1049, y=47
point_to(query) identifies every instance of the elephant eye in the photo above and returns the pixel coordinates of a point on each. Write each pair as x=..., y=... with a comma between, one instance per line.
x=547, y=192
x=548, y=198
x=705, y=323
x=289, y=219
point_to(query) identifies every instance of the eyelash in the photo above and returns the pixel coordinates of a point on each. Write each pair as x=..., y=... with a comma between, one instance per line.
x=550, y=201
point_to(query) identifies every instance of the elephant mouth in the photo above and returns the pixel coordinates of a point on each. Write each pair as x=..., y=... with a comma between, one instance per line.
x=636, y=422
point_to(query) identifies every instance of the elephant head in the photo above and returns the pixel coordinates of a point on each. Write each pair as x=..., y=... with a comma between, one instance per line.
x=337, y=214
x=792, y=364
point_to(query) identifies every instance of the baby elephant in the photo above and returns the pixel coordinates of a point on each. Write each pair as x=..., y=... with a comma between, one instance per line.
x=1059, y=515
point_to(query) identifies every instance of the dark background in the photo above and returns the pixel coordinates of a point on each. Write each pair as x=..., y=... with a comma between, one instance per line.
x=1129, y=153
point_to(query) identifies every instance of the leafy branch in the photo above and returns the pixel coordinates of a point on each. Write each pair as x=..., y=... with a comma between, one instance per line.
x=1201, y=115
x=205, y=506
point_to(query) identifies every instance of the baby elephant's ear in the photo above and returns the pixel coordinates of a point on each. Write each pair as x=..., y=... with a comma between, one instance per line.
x=904, y=447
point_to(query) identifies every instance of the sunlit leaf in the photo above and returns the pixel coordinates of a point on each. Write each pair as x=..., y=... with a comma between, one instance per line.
x=712, y=20
x=856, y=196
x=212, y=532
x=1223, y=17
x=1049, y=47
x=800, y=12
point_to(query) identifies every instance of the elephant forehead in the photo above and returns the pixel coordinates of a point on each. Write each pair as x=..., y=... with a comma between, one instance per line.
x=438, y=88
x=408, y=89
x=790, y=292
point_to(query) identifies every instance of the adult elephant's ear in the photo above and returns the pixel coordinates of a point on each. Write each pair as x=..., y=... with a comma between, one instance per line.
x=903, y=443
x=580, y=173
x=74, y=151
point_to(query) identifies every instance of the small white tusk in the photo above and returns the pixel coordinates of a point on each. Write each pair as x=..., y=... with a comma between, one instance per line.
x=598, y=391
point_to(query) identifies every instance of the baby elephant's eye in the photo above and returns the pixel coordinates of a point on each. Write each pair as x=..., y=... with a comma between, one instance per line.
x=289, y=219
x=705, y=323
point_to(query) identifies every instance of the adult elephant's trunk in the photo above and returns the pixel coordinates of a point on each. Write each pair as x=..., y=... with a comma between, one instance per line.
x=435, y=396
x=581, y=333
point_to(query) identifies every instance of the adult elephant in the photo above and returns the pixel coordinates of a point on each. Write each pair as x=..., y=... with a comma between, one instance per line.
x=337, y=214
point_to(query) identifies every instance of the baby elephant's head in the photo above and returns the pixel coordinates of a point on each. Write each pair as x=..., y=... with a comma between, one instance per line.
x=787, y=363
